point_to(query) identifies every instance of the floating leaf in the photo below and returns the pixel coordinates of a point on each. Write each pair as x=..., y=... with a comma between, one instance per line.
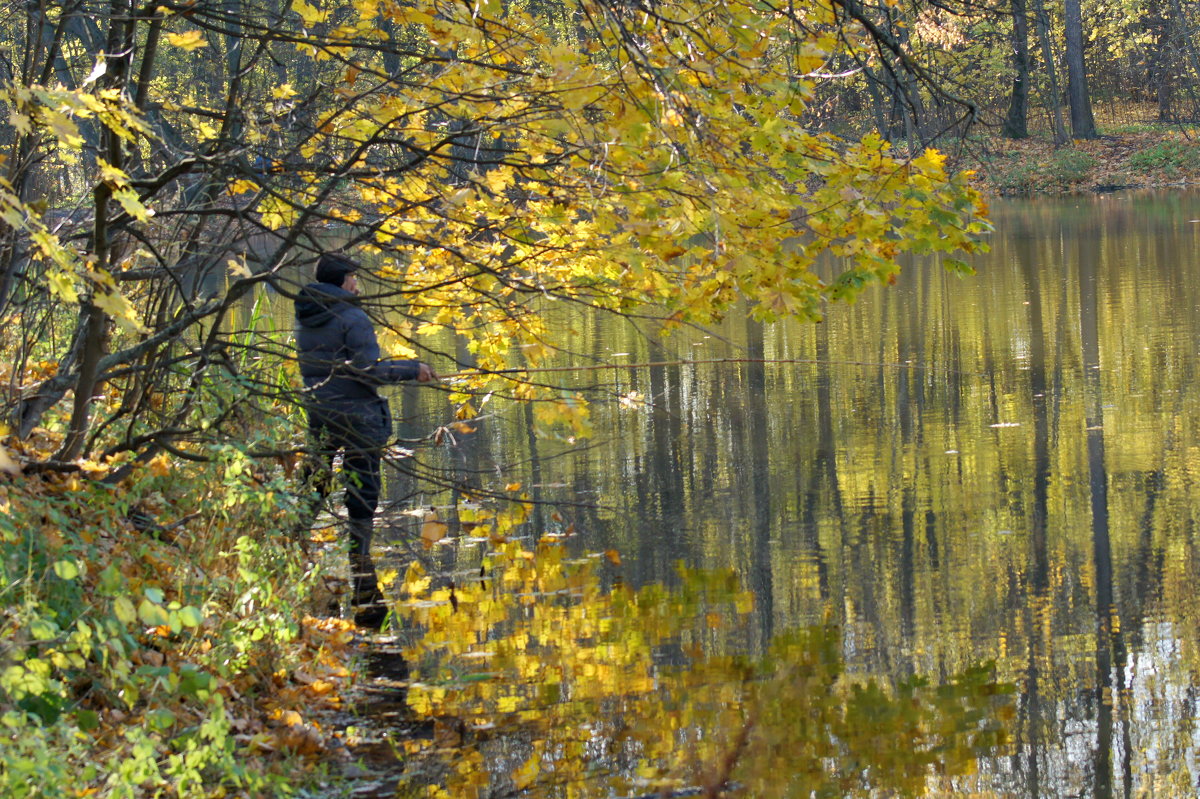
x=433, y=531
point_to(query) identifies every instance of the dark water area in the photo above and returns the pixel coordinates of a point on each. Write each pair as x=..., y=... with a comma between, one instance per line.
x=996, y=476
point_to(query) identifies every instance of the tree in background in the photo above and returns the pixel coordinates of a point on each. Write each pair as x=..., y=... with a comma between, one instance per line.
x=1016, y=121
x=1083, y=125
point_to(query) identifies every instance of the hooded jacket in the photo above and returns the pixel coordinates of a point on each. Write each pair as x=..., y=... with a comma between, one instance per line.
x=339, y=354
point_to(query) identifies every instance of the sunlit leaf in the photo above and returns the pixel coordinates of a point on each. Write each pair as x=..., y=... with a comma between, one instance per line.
x=188, y=41
x=66, y=569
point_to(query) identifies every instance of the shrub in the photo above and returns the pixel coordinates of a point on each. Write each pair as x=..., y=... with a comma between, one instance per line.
x=1019, y=179
x=1169, y=157
x=1067, y=167
x=139, y=620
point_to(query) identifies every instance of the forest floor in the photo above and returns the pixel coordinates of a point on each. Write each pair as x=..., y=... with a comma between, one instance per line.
x=1141, y=157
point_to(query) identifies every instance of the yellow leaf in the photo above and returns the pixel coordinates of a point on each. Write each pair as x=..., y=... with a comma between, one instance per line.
x=160, y=465
x=415, y=581
x=243, y=187
x=189, y=41
x=433, y=531
x=527, y=773
x=283, y=92
x=119, y=307
x=931, y=160
x=132, y=204
x=64, y=128
x=309, y=13
x=20, y=122
x=111, y=174
x=62, y=286
x=614, y=557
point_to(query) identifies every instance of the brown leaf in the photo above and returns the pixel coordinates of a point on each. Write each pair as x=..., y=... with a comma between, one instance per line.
x=432, y=530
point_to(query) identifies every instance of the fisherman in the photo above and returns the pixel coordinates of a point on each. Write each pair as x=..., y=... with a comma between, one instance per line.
x=342, y=370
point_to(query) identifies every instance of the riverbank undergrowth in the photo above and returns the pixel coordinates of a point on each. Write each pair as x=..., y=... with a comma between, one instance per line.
x=156, y=639
x=1136, y=156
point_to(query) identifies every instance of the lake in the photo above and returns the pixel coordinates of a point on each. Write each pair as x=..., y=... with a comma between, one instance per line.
x=943, y=543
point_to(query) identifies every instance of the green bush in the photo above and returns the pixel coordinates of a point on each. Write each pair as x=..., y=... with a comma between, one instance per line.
x=1067, y=167
x=1169, y=157
x=128, y=646
x=1019, y=179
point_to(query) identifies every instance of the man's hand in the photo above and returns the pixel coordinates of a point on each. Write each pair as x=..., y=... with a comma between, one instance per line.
x=425, y=373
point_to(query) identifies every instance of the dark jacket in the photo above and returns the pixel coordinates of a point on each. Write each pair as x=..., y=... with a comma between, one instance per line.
x=339, y=355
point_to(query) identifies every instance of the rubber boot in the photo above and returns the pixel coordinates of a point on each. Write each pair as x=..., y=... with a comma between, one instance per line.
x=366, y=599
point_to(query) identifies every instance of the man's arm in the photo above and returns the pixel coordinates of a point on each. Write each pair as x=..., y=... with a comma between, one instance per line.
x=364, y=353
x=398, y=371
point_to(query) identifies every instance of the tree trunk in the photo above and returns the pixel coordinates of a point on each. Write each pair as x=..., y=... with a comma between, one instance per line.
x=1043, y=24
x=1182, y=50
x=93, y=320
x=1016, y=122
x=1158, y=60
x=1083, y=125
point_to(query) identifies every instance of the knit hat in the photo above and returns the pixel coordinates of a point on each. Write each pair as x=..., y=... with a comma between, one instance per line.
x=334, y=268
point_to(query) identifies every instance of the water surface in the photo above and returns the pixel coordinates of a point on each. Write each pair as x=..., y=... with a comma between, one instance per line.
x=996, y=473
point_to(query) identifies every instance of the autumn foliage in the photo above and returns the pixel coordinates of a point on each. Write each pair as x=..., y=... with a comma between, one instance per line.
x=164, y=164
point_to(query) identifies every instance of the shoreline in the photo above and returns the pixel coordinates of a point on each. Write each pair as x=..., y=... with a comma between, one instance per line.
x=1164, y=157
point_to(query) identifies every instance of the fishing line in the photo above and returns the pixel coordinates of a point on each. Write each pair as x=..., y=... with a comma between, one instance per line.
x=700, y=362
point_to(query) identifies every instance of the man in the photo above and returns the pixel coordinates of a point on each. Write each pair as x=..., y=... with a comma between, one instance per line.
x=341, y=368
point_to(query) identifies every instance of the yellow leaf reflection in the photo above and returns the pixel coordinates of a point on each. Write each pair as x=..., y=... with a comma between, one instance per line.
x=564, y=685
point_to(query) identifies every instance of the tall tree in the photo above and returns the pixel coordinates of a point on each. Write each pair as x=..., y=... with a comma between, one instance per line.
x=1016, y=121
x=1052, y=94
x=1083, y=125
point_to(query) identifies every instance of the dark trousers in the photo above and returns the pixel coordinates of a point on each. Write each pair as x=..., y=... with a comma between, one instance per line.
x=359, y=429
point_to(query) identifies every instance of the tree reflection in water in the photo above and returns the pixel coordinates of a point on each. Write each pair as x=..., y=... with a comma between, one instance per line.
x=545, y=676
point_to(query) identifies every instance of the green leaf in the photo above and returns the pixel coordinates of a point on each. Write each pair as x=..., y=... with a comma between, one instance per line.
x=66, y=569
x=43, y=630
x=160, y=719
x=152, y=615
x=190, y=616
x=124, y=610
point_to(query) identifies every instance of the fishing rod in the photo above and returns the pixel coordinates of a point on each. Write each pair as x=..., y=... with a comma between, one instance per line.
x=695, y=362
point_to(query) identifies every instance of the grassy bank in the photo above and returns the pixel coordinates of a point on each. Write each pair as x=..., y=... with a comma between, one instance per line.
x=1135, y=156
